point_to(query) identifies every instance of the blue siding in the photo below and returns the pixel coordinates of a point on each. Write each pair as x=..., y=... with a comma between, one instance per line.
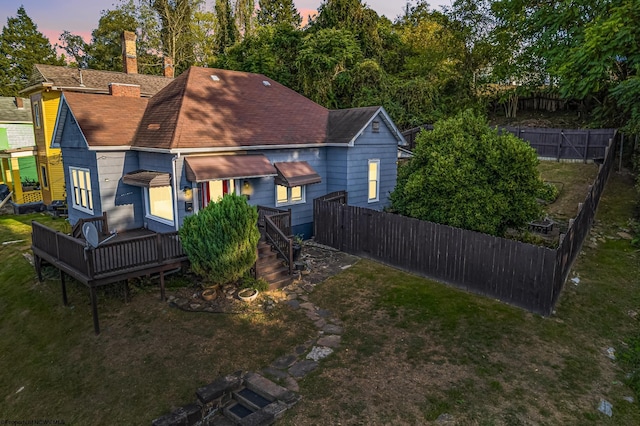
x=75, y=154
x=369, y=146
x=123, y=203
x=337, y=169
x=162, y=163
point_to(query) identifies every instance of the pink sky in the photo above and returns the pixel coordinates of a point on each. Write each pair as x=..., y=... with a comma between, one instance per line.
x=81, y=16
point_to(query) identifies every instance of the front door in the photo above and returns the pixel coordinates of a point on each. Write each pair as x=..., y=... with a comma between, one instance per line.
x=214, y=190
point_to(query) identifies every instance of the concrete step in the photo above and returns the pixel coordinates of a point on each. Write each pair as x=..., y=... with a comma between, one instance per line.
x=251, y=399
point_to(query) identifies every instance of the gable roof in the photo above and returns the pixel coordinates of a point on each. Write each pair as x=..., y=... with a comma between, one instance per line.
x=208, y=108
x=346, y=125
x=94, y=81
x=104, y=120
x=10, y=113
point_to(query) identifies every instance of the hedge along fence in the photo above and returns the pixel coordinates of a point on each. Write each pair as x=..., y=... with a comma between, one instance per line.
x=557, y=144
x=517, y=273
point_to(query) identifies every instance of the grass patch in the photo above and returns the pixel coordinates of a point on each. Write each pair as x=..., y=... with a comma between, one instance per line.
x=415, y=349
x=148, y=359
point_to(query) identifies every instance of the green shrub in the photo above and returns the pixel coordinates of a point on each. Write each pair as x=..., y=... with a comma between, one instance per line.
x=221, y=239
x=548, y=192
x=259, y=284
x=467, y=175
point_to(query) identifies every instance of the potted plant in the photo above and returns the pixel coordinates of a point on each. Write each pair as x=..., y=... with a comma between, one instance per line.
x=251, y=287
x=297, y=246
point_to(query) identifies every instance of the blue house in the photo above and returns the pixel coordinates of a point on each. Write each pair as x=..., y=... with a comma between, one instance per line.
x=150, y=162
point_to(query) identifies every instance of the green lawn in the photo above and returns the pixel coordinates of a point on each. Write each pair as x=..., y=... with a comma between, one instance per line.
x=148, y=359
x=414, y=349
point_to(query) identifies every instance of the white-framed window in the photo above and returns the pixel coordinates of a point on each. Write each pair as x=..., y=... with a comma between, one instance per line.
x=159, y=204
x=81, y=189
x=286, y=196
x=374, y=180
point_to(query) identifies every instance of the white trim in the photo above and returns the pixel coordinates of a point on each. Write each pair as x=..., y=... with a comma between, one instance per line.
x=289, y=202
x=377, y=198
x=74, y=201
x=387, y=120
x=56, y=129
x=147, y=209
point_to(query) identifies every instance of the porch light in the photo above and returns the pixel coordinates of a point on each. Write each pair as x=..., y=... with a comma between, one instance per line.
x=246, y=189
x=188, y=193
x=188, y=198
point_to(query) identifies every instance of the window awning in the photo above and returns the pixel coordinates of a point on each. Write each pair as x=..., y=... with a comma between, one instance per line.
x=213, y=167
x=296, y=173
x=147, y=178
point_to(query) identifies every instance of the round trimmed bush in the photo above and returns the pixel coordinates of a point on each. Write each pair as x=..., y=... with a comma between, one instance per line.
x=221, y=239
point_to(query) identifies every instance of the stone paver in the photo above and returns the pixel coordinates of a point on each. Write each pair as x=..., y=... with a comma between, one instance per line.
x=319, y=352
x=301, y=368
x=332, y=341
x=332, y=329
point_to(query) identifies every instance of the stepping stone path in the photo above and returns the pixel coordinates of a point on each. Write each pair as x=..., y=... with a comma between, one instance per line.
x=247, y=398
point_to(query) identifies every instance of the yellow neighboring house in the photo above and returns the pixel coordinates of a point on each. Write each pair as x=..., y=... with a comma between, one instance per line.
x=17, y=151
x=47, y=84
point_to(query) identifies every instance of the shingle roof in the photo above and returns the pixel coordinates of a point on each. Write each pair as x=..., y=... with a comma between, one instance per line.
x=237, y=109
x=345, y=124
x=106, y=120
x=232, y=110
x=10, y=113
x=95, y=81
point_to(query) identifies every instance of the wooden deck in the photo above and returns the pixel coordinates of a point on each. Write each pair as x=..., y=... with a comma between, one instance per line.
x=128, y=255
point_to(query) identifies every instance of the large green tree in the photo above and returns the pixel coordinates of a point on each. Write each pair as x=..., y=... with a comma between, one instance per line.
x=274, y=12
x=21, y=47
x=226, y=32
x=104, y=50
x=176, y=18
x=465, y=174
x=324, y=59
x=272, y=51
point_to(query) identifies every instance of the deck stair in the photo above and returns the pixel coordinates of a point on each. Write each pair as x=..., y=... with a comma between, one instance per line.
x=271, y=267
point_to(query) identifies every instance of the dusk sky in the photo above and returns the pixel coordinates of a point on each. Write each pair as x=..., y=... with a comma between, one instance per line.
x=81, y=16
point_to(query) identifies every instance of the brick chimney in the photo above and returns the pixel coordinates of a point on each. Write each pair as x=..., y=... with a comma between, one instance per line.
x=124, y=90
x=168, y=67
x=129, y=57
x=19, y=103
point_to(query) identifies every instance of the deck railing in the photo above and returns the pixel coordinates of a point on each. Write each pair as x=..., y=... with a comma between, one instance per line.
x=59, y=246
x=112, y=258
x=276, y=224
x=281, y=242
x=99, y=221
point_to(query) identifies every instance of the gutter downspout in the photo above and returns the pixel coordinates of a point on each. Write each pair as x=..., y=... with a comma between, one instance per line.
x=175, y=191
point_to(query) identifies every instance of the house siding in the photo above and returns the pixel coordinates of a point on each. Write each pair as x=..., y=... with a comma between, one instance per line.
x=123, y=203
x=51, y=158
x=301, y=214
x=337, y=170
x=370, y=146
x=162, y=163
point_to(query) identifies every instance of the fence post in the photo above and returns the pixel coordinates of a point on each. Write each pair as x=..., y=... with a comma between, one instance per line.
x=559, y=146
x=586, y=146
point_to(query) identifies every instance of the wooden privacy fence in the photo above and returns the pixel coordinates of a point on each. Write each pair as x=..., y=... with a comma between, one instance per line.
x=521, y=274
x=558, y=144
